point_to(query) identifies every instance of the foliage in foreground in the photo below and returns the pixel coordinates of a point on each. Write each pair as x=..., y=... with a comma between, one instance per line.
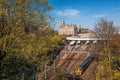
x=26, y=38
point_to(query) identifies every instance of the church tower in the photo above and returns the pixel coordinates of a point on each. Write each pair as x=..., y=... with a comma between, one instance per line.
x=62, y=23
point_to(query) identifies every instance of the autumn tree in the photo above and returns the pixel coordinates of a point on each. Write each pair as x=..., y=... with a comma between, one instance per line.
x=106, y=31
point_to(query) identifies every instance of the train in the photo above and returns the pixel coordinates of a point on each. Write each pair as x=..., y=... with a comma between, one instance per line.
x=83, y=66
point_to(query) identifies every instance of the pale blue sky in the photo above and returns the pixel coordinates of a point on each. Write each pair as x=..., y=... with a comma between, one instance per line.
x=85, y=12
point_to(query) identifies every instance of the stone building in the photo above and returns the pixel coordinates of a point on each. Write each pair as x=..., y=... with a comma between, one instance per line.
x=67, y=29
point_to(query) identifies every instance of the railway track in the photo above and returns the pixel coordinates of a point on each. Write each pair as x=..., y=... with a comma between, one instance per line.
x=70, y=62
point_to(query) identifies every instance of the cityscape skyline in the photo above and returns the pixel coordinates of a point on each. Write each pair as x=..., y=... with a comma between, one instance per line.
x=85, y=12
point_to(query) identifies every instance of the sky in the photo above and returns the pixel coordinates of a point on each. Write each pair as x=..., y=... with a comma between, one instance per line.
x=85, y=13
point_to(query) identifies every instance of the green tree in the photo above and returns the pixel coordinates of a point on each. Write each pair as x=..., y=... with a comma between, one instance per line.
x=26, y=36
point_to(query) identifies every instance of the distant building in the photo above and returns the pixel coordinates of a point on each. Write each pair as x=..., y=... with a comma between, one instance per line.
x=67, y=29
x=84, y=30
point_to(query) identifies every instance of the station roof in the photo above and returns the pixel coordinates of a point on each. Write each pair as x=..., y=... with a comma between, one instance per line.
x=84, y=37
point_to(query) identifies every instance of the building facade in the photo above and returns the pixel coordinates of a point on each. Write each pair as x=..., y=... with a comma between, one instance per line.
x=67, y=29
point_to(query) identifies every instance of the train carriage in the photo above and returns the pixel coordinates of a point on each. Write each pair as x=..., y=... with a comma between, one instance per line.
x=83, y=66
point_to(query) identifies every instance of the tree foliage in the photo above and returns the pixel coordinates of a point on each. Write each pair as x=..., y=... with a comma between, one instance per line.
x=26, y=37
x=109, y=36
